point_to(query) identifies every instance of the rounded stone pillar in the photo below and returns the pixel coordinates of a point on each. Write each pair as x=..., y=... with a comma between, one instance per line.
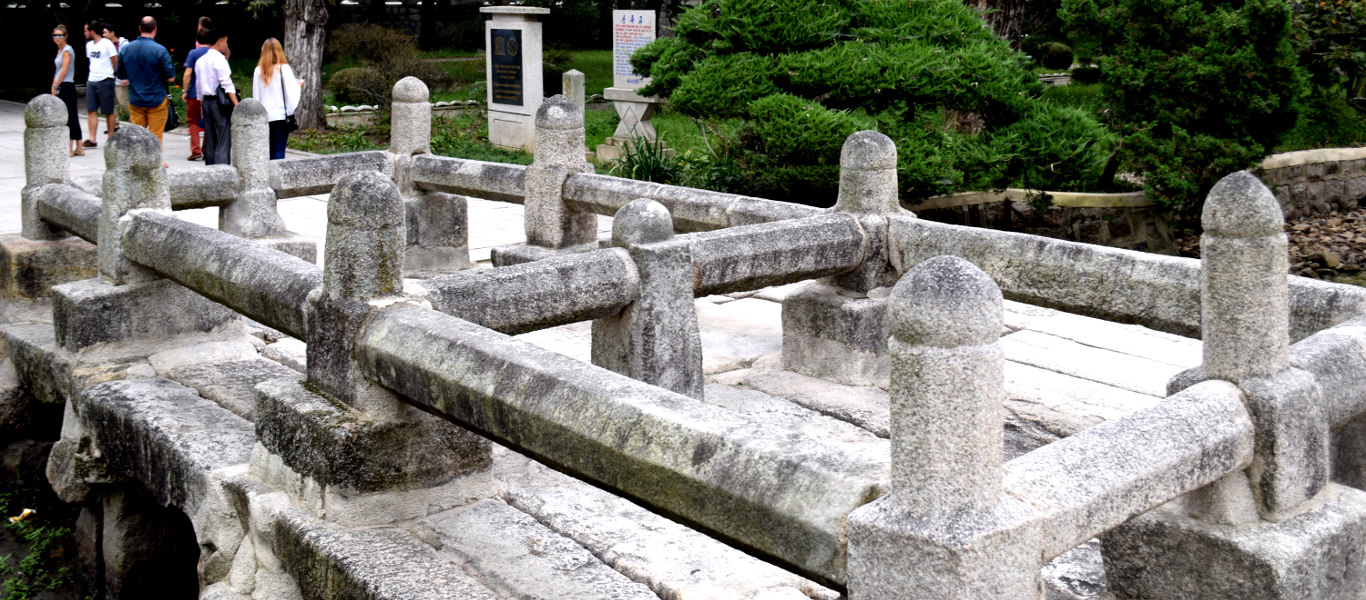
x=46, y=160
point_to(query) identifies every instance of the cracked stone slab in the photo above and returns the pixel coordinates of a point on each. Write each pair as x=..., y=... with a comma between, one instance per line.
x=1065, y=356
x=1061, y=405
x=231, y=384
x=521, y=558
x=1134, y=340
x=675, y=561
x=866, y=407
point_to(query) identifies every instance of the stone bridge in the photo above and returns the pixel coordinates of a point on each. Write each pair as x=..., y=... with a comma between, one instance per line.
x=900, y=408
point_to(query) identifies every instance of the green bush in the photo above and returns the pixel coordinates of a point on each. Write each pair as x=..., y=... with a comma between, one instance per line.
x=359, y=85
x=1328, y=36
x=385, y=56
x=803, y=75
x=1197, y=88
x=1056, y=55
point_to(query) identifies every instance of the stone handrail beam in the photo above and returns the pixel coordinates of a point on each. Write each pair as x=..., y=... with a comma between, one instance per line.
x=692, y=209
x=709, y=466
x=266, y=285
x=1090, y=482
x=200, y=187
x=540, y=294
x=490, y=181
x=1337, y=359
x=757, y=256
x=1161, y=292
x=308, y=176
x=70, y=209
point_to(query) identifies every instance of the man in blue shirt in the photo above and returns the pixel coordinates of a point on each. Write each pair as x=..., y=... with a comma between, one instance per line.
x=147, y=67
x=189, y=93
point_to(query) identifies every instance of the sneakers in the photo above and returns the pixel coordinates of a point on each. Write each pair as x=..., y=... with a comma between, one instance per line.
x=196, y=156
x=90, y=143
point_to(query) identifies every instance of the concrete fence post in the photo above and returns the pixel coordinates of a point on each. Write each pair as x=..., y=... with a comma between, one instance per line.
x=656, y=338
x=836, y=328
x=945, y=529
x=559, y=152
x=1227, y=540
x=575, y=87
x=437, y=222
x=45, y=161
x=252, y=214
x=133, y=178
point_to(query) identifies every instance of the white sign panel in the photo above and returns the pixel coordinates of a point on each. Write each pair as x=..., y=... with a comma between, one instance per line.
x=631, y=29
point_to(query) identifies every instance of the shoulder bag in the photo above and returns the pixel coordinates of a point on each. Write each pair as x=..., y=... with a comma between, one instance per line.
x=172, y=119
x=291, y=124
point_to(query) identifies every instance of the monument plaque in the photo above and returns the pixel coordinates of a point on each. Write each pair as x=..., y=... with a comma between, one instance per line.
x=507, y=66
x=631, y=29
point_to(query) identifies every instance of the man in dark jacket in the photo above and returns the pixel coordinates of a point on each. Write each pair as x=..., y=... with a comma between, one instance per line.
x=147, y=67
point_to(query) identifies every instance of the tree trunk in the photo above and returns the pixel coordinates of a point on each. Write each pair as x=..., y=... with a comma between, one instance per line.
x=1006, y=17
x=304, y=39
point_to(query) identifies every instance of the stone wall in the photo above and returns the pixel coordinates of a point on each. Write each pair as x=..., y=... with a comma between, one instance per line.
x=1126, y=220
x=1317, y=182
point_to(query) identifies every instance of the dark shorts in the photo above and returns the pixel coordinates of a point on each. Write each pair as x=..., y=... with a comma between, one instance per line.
x=99, y=96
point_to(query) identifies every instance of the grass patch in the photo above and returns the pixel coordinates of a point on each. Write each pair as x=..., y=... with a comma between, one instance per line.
x=596, y=66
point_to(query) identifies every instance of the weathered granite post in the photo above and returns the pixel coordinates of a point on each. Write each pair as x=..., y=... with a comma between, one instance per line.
x=45, y=161
x=1229, y=540
x=252, y=214
x=835, y=328
x=342, y=432
x=126, y=300
x=42, y=255
x=945, y=529
x=437, y=222
x=550, y=223
x=655, y=339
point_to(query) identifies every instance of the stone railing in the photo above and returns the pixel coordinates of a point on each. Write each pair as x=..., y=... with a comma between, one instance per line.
x=1227, y=488
x=1317, y=182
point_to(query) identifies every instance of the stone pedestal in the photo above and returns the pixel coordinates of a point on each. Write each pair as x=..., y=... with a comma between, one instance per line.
x=831, y=334
x=634, y=126
x=1165, y=554
x=28, y=269
x=94, y=311
x=512, y=39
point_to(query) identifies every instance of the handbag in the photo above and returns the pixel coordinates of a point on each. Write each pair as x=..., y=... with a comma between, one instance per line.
x=224, y=103
x=291, y=124
x=172, y=119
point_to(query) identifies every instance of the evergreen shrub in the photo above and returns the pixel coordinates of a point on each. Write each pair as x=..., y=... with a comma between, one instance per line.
x=962, y=107
x=385, y=56
x=1056, y=55
x=1198, y=88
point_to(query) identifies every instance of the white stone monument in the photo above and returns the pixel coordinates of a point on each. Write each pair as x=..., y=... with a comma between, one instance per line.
x=631, y=29
x=512, y=40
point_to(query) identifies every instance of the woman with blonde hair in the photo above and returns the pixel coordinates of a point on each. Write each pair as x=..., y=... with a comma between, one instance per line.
x=64, y=86
x=274, y=85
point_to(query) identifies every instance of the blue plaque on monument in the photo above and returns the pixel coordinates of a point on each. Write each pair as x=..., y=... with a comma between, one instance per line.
x=506, y=71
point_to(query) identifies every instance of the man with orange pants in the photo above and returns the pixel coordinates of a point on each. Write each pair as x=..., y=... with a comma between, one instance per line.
x=147, y=67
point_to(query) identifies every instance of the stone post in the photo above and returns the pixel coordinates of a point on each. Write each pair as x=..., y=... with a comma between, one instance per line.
x=550, y=223
x=128, y=301
x=42, y=255
x=343, y=433
x=656, y=338
x=133, y=178
x=362, y=262
x=45, y=161
x=836, y=328
x=575, y=88
x=252, y=214
x=438, y=230
x=1227, y=540
x=945, y=529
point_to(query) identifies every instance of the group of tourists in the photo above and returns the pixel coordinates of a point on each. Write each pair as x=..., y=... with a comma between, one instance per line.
x=146, y=66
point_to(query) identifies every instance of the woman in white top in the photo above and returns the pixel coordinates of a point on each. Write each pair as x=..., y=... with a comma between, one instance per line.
x=64, y=86
x=274, y=85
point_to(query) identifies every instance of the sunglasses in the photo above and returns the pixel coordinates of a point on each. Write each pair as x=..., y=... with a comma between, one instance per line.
x=58, y=35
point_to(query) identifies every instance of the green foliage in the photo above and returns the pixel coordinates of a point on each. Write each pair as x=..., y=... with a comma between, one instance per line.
x=1055, y=55
x=646, y=161
x=1326, y=121
x=802, y=75
x=1198, y=89
x=1328, y=36
x=383, y=56
x=47, y=537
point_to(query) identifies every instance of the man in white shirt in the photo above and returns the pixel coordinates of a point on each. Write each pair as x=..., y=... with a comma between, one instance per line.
x=99, y=85
x=212, y=72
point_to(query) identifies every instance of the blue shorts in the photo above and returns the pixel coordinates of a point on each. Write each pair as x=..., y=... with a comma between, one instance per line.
x=99, y=96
